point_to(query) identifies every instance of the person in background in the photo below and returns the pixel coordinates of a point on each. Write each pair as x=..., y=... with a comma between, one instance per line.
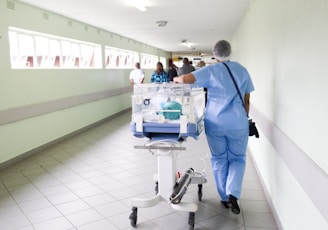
x=172, y=72
x=201, y=64
x=226, y=121
x=186, y=67
x=137, y=75
x=159, y=75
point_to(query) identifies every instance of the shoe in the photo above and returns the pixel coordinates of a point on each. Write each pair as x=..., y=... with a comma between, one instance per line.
x=225, y=203
x=234, y=204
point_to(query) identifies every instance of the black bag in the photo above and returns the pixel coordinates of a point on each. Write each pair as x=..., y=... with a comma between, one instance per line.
x=252, y=128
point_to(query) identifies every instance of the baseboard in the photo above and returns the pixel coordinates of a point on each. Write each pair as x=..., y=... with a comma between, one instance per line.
x=266, y=192
x=41, y=148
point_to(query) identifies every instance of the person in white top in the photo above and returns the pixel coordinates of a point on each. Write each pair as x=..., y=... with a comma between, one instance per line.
x=137, y=75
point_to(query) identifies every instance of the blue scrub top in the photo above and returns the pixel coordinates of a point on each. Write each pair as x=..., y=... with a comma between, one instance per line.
x=224, y=109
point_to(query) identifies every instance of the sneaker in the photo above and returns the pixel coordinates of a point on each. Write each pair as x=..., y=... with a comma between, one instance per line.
x=234, y=204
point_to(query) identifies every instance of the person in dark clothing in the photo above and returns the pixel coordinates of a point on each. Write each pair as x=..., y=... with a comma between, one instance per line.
x=186, y=67
x=172, y=72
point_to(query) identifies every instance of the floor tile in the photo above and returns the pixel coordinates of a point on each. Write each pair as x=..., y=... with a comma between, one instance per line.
x=54, y=224
x=14, y=222
x=72, y=207
x=98, y=225
x=30, y=227
x=252, y=195
x=260, y=220
x=124, y=193
x=257, y=206
x=175, y=220
x=43, y=214
x=100, y=199
x=54, y=190
x=10, y=211
x=63, y=198
x=34, y=205
x=87, y=192
x=151, y=213
x=6, y=201
x=250, y=228
x=112, y=209
x=122, y=222
x=14, y=180
x=219, y=222
x=84, y=217
x=252, y=185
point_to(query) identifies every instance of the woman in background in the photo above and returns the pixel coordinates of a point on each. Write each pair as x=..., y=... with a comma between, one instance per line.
x=159, y=75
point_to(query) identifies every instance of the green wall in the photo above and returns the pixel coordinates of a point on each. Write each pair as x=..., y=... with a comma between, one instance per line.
x=23, y=88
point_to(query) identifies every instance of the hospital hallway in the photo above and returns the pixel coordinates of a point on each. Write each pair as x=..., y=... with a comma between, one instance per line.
x=79, y=80
x=86, y=182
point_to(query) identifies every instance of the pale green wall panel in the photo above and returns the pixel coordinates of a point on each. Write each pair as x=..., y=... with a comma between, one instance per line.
x=21, y=88
x=22, y=136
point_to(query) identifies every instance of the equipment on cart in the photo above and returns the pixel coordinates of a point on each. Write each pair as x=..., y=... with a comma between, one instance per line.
x=180, y=187
x=167, y=114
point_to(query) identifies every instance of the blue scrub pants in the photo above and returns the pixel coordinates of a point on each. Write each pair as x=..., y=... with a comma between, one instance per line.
x=228, y=149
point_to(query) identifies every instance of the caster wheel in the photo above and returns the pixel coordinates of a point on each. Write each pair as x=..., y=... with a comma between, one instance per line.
x=133, y=217
x=156, y=187
x=200, y=192
x=191, y=220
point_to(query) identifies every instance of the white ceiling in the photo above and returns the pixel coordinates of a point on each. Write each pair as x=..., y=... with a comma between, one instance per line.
x=201, y=22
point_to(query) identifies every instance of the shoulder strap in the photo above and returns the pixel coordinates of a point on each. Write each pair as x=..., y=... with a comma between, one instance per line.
x=234, y=82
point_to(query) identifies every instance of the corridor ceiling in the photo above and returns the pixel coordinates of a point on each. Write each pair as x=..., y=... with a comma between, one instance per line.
x=201, y=23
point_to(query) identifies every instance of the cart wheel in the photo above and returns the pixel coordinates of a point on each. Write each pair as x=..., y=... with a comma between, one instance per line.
x=191, y=220
x=200, y=192
x=133, y=217
x=156, y=187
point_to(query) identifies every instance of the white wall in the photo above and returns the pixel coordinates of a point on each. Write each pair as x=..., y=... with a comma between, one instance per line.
x=21, y=88
x=284, y=46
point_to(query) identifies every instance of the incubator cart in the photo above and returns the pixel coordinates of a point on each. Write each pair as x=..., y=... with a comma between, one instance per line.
x=167, y=114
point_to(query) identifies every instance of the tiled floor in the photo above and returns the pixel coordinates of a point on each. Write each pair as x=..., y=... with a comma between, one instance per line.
x=86, y=182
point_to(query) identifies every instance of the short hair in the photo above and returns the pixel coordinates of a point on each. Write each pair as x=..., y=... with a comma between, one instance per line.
x=185, y=60
x=222, y=50
x=201, y=63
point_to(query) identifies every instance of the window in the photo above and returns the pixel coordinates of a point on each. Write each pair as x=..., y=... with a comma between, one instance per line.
x=148, y=61
x=163, y=61
x=119, y=58
x=30, y=49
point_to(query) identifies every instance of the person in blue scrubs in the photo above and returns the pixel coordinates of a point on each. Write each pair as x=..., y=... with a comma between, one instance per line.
x=226, y=121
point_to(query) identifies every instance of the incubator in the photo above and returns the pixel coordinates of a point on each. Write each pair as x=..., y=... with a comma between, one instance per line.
x=167, y=114
x=176, y=109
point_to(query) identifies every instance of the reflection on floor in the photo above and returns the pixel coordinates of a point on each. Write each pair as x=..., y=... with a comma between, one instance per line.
x=86, y=182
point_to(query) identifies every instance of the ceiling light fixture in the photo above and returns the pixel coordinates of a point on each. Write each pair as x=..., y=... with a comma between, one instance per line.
x=184, y=42
x=140, y=4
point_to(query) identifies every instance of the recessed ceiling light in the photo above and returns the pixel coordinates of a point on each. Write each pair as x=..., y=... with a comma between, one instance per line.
x=139, y=4
x=184, y=42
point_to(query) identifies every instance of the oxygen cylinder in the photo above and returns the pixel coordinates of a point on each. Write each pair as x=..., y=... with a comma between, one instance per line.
x=180, y=187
